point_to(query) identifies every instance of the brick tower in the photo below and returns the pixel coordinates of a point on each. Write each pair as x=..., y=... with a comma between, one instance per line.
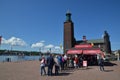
x=69, y=39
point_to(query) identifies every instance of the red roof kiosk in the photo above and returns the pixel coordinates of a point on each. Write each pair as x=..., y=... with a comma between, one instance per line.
x=87, y=50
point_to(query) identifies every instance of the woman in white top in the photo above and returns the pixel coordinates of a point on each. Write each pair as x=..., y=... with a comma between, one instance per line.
x=42, y=66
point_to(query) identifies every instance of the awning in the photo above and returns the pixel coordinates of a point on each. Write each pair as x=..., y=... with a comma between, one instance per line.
x=74, y=51
x=91, y=52
x=86, y=51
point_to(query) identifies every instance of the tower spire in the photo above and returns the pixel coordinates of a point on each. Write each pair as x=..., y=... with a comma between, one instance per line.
x=68, y=11
x=68, y=16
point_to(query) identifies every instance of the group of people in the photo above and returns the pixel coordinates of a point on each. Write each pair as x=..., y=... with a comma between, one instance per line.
x=85, y=61
x=60, y=62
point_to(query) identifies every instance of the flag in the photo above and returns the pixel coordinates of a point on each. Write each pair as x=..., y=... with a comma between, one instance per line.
x=0, y=39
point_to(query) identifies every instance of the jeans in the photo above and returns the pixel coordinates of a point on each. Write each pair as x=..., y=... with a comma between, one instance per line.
x=56, y=69
x=43, y=70
x=101, y=68
x=50, y=70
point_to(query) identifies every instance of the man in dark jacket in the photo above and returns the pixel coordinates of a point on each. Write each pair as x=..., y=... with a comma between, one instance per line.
x=50, y=63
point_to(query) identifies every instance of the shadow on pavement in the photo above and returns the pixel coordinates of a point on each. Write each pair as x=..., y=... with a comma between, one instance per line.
x=62, y=74
x=108, y=70
x=86, y=68
x=109, y=64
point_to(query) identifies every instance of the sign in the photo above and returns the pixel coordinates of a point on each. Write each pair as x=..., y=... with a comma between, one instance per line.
x=84, y=63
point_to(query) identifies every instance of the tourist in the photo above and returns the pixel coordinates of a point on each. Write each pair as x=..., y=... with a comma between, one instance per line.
x=80, y=64
x=42, y=65
x=65, y=61
x=57, y=65
x=60, y=61
x=101, y=64
x=76, y=61
x=75, y=65
x=50, y=63
x=71, y=63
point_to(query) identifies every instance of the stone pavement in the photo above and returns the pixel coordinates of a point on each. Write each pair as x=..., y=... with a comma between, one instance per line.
x=29, y=70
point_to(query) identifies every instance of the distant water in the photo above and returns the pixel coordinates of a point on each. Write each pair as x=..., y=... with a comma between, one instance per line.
x=4, y=58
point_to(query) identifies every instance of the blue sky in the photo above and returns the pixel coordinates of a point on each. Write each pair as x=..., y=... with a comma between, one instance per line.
x=41, y=21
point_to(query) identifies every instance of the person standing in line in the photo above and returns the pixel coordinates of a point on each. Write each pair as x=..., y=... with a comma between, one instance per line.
x=76, y=61
x=80, y=62
x=42, y=66
x=50, y=63
x=65, y=61
x=60, y=61
x=101, y=64
x=57, y=65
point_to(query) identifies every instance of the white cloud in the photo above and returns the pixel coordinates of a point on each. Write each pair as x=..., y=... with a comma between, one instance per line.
x=49, y=46
x=38, y=44
x=4, y=41
x=57, y=47
x=14, y=41
x=53, y=49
